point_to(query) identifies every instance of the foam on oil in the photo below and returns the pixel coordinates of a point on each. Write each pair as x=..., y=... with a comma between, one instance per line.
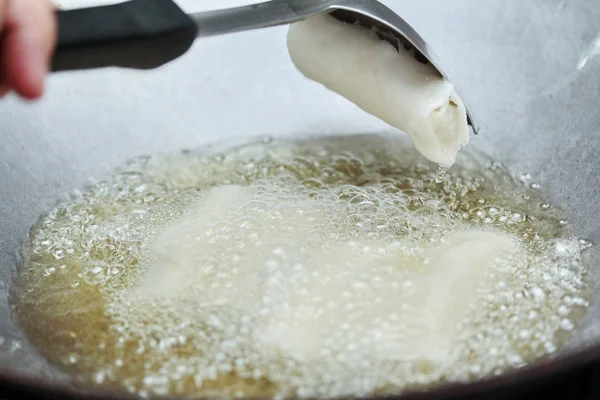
x=325, y=267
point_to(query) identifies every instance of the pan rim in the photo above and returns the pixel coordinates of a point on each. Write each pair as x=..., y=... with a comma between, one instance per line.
x=19, y=384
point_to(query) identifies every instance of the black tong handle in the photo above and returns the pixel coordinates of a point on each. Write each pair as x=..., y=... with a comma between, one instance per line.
x=140, y=34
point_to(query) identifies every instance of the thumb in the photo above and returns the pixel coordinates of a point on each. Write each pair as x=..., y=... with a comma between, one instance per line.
x=27, y=44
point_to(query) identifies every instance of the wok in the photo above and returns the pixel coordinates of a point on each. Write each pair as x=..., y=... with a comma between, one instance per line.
x=527, y=68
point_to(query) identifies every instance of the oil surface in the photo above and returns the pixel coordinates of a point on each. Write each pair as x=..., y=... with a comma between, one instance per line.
x=297, y=275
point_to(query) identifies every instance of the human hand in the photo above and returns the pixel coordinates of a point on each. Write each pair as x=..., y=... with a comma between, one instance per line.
x=28, y=36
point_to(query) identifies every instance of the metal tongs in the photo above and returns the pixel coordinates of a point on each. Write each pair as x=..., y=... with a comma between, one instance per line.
x=146, y=34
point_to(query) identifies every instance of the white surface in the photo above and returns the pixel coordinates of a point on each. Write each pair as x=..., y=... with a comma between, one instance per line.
x=590, y=52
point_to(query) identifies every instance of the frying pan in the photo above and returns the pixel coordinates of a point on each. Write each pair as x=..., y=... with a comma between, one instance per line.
x=528, y=69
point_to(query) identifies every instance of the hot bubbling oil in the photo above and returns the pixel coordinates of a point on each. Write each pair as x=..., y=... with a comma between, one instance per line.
x=77, y=292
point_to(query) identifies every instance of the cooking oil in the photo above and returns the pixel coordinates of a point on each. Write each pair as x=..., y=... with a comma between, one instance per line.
x=299, y=269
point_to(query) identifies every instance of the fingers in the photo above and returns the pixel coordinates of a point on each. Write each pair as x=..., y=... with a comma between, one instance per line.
x=27, y=44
